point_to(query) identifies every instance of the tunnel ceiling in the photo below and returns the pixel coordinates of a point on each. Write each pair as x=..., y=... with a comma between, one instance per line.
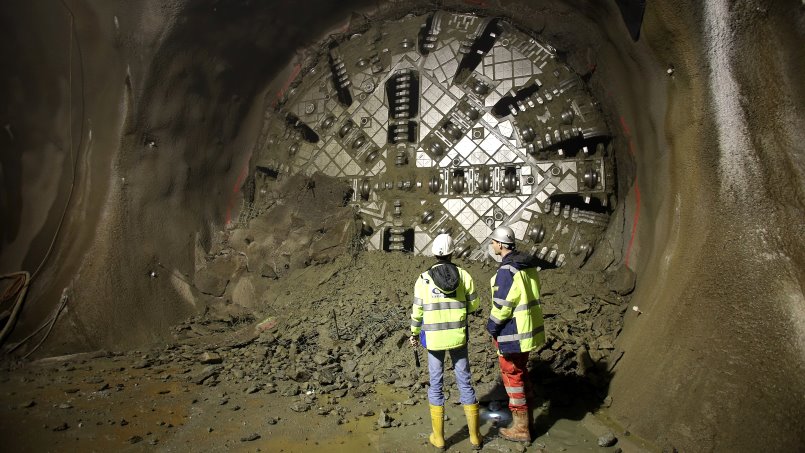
x=452, y=123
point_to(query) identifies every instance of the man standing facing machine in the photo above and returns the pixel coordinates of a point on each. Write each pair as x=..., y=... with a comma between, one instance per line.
x=515, y=323
x=443, y=297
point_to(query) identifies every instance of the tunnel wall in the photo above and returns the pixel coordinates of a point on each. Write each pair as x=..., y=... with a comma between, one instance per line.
x=712, y=229
x=715, y=360
x=171, y=100
x=64, y=81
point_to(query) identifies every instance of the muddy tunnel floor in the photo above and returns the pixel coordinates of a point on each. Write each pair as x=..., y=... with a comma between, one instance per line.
x=310, y=371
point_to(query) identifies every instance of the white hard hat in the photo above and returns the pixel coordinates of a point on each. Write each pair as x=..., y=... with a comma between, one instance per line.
x=442, y=245
x=503, y=234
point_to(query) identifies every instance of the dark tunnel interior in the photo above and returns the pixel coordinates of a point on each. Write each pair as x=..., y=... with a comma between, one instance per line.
x=214, y=213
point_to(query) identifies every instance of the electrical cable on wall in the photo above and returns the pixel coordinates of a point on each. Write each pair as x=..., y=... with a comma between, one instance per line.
x=29, y=278
x=18, y=288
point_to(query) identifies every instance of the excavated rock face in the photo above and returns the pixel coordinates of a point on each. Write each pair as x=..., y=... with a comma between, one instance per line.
x=143, y=121
x=306, y=223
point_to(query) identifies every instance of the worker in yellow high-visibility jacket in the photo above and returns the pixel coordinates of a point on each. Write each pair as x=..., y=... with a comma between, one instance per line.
x=443, y=297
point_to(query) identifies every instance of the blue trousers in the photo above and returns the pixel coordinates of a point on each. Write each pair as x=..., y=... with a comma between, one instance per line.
x=461, y=365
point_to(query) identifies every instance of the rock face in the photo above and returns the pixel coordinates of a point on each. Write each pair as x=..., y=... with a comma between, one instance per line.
x=306, y=223
x=623, y=281
x=214, y=278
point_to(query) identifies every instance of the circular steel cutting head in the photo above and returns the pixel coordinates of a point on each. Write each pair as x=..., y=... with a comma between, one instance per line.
x=451, y=122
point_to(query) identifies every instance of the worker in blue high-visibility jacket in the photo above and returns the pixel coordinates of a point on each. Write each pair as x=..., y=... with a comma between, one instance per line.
x=516, y=325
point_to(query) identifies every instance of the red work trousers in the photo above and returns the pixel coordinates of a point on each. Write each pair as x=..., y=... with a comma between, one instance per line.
x=514, y=369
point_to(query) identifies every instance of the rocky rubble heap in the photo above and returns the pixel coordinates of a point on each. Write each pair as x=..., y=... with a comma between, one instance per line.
x=336, y=322
x=328, y=340
x=342, y=328
x=583, y=314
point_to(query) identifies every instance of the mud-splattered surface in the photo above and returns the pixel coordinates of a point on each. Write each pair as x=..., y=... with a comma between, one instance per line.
x=103, y=404
x=323, y=366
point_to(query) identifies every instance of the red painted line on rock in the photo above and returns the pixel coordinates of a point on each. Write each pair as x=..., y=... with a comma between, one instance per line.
x=631, y=149
x=628, y=134
x=294, y=73
x=242, y=177
x=625, y=127
x=634, y=221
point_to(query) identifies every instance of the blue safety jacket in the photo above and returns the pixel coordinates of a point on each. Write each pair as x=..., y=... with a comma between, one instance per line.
x=515, y=320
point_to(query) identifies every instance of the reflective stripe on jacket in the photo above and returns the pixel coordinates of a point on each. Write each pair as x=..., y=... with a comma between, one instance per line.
x=515, y=320
x=439, y=316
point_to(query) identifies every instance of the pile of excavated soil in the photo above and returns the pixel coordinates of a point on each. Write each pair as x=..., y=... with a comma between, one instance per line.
x=342, y=327
x=324, y=361
x=336, y=320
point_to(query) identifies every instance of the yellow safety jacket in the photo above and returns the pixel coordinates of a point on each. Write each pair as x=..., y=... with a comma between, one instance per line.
x=443, y=296
x=515, y=320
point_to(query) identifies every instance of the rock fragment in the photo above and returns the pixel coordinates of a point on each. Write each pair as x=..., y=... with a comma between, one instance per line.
x=135, y=439
x=214, y=278
x=384, y=421
x=607, y=440
x=339, y=393
x=623, y=281
x=145, y=363
x=210, y=358
x=300, y=407
x=205, y=374
x=289, y=389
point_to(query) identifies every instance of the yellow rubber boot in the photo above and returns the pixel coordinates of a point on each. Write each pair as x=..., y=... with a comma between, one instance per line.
x=471, y=411
x=437, y=423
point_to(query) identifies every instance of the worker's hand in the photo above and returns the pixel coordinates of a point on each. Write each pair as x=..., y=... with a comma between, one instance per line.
x=412, y=341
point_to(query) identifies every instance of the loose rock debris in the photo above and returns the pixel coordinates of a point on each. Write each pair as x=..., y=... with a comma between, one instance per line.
x=228, y=359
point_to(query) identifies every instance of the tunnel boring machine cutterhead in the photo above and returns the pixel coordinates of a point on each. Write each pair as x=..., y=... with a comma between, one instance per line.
x=450, y=123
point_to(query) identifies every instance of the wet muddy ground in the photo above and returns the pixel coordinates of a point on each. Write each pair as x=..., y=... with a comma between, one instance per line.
x=106, y=404
x=321, y=365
